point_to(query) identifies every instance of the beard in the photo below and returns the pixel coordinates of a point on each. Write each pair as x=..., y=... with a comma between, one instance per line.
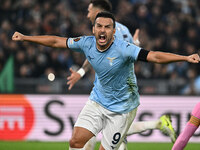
x=103, y=41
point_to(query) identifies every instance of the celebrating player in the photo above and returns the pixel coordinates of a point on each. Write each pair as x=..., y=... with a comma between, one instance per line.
x=114, y=99
x=122, y=32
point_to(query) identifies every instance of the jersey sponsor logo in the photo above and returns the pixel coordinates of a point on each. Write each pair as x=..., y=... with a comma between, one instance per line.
x=111, y=60
x=16, y=117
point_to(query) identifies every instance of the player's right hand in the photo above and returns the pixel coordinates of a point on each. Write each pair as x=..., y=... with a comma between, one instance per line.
x=17, y=36
x=73, y=78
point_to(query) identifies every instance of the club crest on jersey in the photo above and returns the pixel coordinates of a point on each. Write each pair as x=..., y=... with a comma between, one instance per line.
x=111, y=60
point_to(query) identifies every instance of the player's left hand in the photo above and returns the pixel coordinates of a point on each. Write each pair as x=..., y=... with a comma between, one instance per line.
x=194, y=58
x=73, y=78
x=136, y=37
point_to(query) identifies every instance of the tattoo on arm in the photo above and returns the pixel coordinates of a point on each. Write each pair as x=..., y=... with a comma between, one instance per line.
x=86, y=65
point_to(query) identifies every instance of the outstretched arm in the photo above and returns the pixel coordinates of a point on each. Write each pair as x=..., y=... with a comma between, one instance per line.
x=76, y=76
x=46, y=40
x=162, y=57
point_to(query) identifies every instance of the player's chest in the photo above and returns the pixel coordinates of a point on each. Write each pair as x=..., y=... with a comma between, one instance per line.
x=105, y=61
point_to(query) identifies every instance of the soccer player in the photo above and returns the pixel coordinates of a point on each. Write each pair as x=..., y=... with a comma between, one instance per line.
x=122, y=32
x=113, y=101
x=189, y=129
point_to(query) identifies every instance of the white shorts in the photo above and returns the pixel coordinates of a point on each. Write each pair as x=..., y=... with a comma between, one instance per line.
x=114, y=126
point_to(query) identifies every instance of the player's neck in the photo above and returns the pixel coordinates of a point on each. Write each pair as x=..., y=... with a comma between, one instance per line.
x=107, y=47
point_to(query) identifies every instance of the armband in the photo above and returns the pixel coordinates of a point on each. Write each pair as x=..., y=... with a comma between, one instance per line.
x=81, y=71
x=142, y=56
x=195, y=121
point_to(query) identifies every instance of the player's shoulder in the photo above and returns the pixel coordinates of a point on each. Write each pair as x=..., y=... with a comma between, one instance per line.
x=89, y=40
x=83, y=41
x=91, y=37
x=120, y=42
x=123, y=45
x=86, y=38
x=80, y=38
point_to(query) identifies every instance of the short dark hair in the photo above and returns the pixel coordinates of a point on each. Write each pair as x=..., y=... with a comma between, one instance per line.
x=102, y=4
x=106, y=15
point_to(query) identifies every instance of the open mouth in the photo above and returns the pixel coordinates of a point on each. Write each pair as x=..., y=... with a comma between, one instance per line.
x=102, y=38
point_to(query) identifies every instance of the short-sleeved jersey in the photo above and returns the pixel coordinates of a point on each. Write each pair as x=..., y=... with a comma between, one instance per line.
x=123, y=33
x=113, y=85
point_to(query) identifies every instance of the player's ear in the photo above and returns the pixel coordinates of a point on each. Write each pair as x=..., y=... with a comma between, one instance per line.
x=93, y=29
x=114, y=30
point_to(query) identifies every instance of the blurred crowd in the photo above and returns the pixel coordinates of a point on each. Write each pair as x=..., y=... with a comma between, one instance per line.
x=165, y=25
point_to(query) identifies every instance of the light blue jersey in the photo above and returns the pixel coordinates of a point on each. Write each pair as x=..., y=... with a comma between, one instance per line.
x=122, y=33
x=114, y=86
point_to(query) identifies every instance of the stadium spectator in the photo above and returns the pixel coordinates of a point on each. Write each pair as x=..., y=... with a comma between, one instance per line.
x=166, y=20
